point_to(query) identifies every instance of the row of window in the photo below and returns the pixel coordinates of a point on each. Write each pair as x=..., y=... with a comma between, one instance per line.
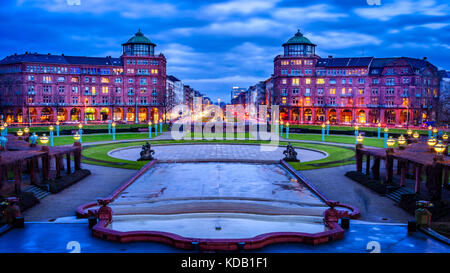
x=297, y=62
x=74, y=70
x=296, y=81
x=344, y=91
x=332, y=101
x=143, y=62
x=103, y=100
x=88, y=91
x=48, y=79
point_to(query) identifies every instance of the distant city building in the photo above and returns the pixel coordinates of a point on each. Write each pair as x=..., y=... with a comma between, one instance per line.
x=444, y=100
x=46, y=88
x=174, y=92
x=235, y=91
x=364, y=90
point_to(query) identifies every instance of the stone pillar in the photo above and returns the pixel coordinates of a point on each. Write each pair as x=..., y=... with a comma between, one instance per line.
x=77, y=156
x=368, y=164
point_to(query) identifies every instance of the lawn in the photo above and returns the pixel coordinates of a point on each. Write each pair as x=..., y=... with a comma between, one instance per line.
x=375, y=142
x=44, y=129
x=98, y=154
x=361, y=129
x=64, y=140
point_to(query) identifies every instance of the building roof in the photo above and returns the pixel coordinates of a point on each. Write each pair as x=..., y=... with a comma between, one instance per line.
x=172, y=78
x=344, y=62
x=60, y=59
x=298, y=38
x=139, y=38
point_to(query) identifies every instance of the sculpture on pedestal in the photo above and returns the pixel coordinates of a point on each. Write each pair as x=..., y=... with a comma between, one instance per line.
x=146, y=152
x=290, y=154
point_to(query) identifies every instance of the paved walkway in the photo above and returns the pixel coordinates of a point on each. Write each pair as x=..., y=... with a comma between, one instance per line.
x=100, y=183
x=198, y=152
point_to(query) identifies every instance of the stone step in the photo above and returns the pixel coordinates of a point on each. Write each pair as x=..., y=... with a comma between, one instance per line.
x=38, y=192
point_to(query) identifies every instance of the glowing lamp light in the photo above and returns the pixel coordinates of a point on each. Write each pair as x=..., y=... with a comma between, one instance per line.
x=379, y=124
x=281, y=122
x=113, y=124
x=51, y=128
x=287, y=124
x=435, y=130
x=26, y=130
x=20, y=133
x=43, y=139
x=5, y=124
x=356, y=127
x=2, y=127
x=328, y=122
x=445, y=136
x=360, y=139
x=149, y=123
x=390, y=142
x=431, y=142
x=416, y=135
x=57, y=122
x=160, y=120
x=429, y=127
x=76, y=137
x=401, y=140
x=439, y=148
x=323, y=125
x=80, y=126
x=386, y=129
x=409, y=132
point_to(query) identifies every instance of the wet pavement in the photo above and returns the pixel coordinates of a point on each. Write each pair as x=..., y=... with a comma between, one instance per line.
x=360, y=238
x=216, y=152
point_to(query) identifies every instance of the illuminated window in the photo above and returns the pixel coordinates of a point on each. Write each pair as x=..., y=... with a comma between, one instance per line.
x=308, y=81
x=307, y=101
x=332, y=91
x=283, y=100
x=361, y=91
x=284, y=62
x=320, y=81
x=343, y=91
x=295, y=81
x=74, y=79
x=405, y=102
x=154, y=71
x=283, y=81
x=105, y=80
x=93, y=90
x=105, y=89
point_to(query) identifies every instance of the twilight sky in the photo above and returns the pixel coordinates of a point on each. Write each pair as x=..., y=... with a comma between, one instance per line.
x=214, y=45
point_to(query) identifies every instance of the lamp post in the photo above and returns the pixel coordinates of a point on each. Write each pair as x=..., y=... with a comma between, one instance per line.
x=356, y=133
x=429, y=131
x=2, y=130
x=445, y=137
x=323, y=131
x=416, y=136
x=149, y=129
x=3, y=141
x=33, y=139
x=156, y=128
x=281, y=127
x=109, y=127
x=26, y=130
x=51, y=134
x=80, y=132
x=287, y=130
x=160, y=126
x=113, y=125
x=43, y=139
x=57, y=128
x=328, y=127
x=409, y=133
x=379, y=130
x=6, y=128
x=386, y=130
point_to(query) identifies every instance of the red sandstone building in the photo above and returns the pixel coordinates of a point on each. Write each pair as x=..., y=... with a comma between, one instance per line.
x=363, y=90
x=40, y=88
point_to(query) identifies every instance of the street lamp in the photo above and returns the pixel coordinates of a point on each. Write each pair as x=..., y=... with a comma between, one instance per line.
x=386, y=130
x=445, y=137
x=20, y=134
x=2, y=130
x=113, y=125
x=6, y=128
x=356, y=132
x=409, y=132
x=281, y=127
x=323, y=131
x=379, y=130
x=359, y=141
x=287, y=130
x=149, y=129
x=431, y=142
x=51, y=135
x=429, y=131
x=80, y=131
x=416, y=135
x=160, y=126
x=328, y=127
x=57, y=128
x=26, y=130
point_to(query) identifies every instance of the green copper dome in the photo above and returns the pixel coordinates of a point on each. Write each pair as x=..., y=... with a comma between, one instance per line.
x=139, y=38
x=298, y=39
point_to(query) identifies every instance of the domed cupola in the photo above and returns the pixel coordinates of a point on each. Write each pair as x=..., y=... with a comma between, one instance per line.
x=299, y=45
x=138, y=45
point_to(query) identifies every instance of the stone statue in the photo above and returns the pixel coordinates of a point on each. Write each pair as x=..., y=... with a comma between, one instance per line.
x=146, y=152
x=290, y=154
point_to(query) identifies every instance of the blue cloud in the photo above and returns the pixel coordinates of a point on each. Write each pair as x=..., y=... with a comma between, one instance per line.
x=215, y=45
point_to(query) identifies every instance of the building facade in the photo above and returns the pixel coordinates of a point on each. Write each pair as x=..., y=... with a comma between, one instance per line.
x=42, y=88
x=362, y=90
x=174, y=92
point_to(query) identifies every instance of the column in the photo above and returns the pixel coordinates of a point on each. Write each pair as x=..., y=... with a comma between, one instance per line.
x=368, y=164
